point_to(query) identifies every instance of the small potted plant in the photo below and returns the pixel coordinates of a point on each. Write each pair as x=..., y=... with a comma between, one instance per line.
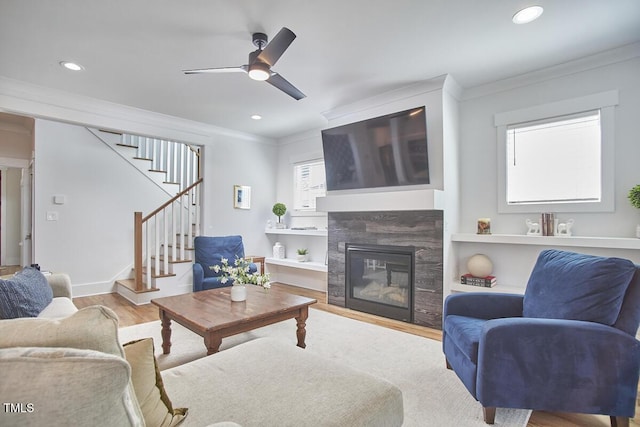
x=279, y=209
x=634, y=198
x=302, y=255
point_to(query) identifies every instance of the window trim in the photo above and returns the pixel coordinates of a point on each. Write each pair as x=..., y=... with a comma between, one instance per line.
x=605, y=102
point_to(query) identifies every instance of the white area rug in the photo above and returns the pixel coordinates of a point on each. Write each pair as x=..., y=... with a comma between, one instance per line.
x=433, y=395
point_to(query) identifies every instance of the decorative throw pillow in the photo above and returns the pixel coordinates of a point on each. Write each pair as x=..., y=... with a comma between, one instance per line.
x=156, y=406
x=91, y=328
x=568, y=285
x=63, y=386
x=26, y=294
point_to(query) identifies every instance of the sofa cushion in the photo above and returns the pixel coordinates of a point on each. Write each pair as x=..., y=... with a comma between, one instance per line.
x=465, y=332
x=147, y=383
x=26, y=294
x=568, y=285
x=63, y=386
x=91, y=328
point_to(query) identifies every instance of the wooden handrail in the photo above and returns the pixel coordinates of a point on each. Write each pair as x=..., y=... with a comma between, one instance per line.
x=177, y=196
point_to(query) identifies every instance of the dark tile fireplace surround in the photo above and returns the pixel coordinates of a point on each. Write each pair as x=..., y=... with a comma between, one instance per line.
x=416, y=233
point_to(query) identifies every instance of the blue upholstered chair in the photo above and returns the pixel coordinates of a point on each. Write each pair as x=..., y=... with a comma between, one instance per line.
x=567, y=345
x=208, y=252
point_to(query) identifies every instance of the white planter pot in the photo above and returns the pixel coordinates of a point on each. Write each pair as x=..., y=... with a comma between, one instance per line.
x=238, y=293
x=302, y=258
x=638, y=231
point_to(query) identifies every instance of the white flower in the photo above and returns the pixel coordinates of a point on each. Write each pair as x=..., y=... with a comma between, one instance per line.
x=224, y=279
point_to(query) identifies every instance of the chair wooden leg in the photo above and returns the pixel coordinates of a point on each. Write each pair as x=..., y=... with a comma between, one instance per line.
x=489, y=414
x=448, y=365
x=619, y=421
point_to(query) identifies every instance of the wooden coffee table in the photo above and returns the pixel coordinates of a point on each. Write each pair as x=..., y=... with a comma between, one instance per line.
x=212, y=315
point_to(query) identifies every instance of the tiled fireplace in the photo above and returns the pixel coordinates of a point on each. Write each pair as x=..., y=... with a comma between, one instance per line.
x=388, y=263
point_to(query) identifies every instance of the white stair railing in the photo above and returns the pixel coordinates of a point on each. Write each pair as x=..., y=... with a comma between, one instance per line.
x=179, y=161
x=172, y=225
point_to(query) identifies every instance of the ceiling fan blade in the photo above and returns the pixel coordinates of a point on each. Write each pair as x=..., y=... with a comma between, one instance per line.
x=276, y=47
x=281, y=83
x=242, y=68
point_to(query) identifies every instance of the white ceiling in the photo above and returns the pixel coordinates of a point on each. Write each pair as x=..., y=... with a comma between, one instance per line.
x=346, y=50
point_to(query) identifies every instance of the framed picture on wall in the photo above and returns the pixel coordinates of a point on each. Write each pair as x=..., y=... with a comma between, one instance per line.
x=242, y=197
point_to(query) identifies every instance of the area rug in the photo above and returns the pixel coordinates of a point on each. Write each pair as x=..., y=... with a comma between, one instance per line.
x=433, y=395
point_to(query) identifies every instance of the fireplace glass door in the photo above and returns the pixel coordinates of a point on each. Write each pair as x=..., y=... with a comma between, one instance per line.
x=379, y=280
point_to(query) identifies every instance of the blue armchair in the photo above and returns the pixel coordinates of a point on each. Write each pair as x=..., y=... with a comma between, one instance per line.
x=567, y=345
x=208, y=252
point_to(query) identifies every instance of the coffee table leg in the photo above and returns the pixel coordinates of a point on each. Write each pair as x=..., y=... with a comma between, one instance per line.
x=166, y=332
x=212, y=341
x=301, y=320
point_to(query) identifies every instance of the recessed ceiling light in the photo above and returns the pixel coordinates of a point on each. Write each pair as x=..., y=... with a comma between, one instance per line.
x=527, y=15
x=71, y=66
x=256, y=117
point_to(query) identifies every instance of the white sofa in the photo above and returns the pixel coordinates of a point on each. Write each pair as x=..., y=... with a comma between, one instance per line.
x=72, y=370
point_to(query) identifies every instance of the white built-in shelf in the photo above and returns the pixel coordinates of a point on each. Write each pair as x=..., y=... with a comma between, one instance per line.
x=283, y=231
x=571, y=241
x=293, y=263
x=507, y=289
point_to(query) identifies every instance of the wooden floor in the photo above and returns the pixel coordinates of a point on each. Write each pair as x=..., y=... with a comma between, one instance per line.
x=130, y=314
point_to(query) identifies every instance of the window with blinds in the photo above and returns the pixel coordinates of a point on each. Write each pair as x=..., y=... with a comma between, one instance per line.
x=308, y=183
x=556, y=160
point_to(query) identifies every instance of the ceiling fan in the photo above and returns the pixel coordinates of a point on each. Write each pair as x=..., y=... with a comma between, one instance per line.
x=261, y=61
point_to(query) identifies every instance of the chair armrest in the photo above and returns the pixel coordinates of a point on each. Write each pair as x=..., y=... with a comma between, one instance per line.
x=483, y=305
x=60, y=284
x=198, y=277
x=561, y=365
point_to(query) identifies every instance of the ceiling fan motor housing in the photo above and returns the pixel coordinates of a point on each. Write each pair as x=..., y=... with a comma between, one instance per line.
x=259, y=40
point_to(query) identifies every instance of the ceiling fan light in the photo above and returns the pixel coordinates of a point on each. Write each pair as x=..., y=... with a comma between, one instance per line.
x=259, y=71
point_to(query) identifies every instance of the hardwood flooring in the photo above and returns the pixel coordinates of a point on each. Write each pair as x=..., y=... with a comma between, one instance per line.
x=130, y=314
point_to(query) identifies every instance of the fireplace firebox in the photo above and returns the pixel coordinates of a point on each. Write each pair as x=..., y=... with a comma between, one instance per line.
x=379, y=280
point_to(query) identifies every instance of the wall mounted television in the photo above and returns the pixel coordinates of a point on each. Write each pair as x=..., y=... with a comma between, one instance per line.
x=385, y=151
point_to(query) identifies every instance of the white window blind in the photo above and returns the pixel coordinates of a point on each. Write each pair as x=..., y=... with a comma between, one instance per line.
x=556, y=160
x=309, y=183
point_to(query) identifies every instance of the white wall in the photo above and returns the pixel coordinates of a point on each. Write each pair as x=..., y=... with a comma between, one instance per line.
x=232, y=161
x=478, y=159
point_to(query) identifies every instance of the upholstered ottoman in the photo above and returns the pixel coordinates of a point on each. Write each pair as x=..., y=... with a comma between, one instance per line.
x=266, y=382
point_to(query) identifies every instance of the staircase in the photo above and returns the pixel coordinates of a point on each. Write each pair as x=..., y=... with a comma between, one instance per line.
x=163, y=239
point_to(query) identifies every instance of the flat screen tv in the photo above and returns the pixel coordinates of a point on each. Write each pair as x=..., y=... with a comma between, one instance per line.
x=385, y=151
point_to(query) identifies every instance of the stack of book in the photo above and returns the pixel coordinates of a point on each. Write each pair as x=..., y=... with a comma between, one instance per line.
x=484, y=282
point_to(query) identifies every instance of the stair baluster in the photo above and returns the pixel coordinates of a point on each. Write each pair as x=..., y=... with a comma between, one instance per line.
x=149, y=238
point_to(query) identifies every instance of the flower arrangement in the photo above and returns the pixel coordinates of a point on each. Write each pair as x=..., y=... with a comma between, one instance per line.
x=240, y=273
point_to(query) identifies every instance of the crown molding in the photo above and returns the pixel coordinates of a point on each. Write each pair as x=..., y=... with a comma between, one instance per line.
x=602, y=59
x=24, y=98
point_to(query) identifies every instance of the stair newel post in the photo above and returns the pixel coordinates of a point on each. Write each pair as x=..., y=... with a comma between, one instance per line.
x=137, y=249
